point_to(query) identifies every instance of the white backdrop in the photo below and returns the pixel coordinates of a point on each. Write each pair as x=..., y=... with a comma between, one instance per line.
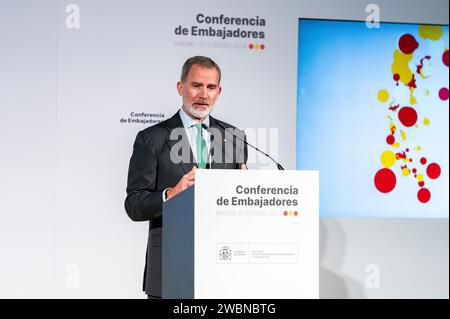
x=64, y=151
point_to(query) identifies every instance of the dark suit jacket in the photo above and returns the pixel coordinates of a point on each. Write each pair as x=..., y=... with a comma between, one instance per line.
x=152, y=170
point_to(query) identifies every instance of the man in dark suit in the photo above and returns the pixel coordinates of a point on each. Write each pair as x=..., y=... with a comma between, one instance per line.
x=166, y=155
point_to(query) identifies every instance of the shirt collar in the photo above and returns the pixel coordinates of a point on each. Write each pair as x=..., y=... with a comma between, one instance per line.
x=189, y=122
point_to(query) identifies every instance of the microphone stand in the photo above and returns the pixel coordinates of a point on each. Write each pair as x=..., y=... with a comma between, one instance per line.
x=247, y=143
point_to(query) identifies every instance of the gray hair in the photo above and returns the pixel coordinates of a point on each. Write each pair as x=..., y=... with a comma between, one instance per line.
x=202, y=61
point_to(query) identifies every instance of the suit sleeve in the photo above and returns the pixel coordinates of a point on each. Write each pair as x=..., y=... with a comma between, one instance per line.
x=143, y=201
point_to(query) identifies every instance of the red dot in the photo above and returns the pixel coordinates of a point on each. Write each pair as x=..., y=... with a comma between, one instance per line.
x=250, y=46
x=407, y=116
x=414, y=170
x=421, y=184
x=295, y=213
x=285, y=213
x=396, y=77
x=385, y=180
x=423, y=161
x=262, y=46
x=443, y=94
x=445, y=58
x=433, y=171
x=407, y=44
x=410, y=160
x=423, y=195
x=390, y=139
x=407, y=150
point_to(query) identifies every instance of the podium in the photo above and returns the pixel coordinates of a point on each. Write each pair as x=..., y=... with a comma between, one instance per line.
x=243, y=234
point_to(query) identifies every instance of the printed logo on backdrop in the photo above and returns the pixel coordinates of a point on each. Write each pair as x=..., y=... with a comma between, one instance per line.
x=223, y=32
x=143, y=118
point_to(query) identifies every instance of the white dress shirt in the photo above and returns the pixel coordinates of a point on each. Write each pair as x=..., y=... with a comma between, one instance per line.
x=192, y=132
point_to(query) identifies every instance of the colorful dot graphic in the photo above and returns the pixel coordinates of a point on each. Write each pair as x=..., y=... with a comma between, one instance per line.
x=256, y=46
x=385, y=180
x=407, y=116
x=383, y=96
x=423, y=195
x=407, y=113
x=443, y=94
x=290, y=213
x=407, y=44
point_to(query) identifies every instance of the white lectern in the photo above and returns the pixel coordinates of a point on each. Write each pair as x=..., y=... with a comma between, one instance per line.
x=243, y=234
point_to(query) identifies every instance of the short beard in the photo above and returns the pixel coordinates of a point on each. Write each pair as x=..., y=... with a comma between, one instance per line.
x=199, y=114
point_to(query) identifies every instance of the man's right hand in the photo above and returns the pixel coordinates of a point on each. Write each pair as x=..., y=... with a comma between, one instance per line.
x=185, y=182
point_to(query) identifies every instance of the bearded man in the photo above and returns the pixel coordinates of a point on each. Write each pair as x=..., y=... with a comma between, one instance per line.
x=166, y=155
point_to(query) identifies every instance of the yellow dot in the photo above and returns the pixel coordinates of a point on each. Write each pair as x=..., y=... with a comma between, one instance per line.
x=405, y=171
x=388, y=159
x=256, y=46
x=420, y=177
x=383, y=96
x=401, y=66
x=426, y=121
x=403, y=134
x=396, y=145
x=427, y=92
x=412, y=100
x=290, y=213
x=392, y=128
x=432, y=32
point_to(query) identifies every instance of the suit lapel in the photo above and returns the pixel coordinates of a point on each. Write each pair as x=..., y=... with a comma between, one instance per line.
x=175, y=123
x=217, y=143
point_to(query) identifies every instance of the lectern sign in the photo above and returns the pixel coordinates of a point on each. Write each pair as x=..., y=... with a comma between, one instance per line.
x=256, y=234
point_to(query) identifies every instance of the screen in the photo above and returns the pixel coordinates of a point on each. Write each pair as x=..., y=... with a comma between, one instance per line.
x=373, y=117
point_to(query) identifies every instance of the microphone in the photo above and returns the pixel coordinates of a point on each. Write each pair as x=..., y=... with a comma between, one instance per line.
x=247, y=143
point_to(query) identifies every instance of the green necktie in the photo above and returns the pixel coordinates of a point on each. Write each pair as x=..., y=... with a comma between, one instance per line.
x=202, y=153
